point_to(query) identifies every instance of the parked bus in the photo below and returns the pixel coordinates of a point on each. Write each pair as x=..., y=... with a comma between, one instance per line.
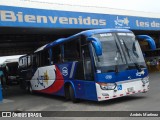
x=96, y=65
x=150, y=51
x=10, y=68
x=146, y=42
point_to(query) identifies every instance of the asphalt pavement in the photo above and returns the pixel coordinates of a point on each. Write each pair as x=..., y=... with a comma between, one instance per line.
x=17, y=100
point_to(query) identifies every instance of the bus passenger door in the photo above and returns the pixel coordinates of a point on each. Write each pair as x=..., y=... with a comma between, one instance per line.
x=89, y=83
x=84, y=72
x=79, y=80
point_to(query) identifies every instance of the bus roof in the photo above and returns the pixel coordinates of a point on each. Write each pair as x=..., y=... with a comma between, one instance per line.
x=86, y=33
x=11, y=60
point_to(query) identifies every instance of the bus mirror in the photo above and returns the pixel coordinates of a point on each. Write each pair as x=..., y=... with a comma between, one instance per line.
x=96, y=44
x=148, y=39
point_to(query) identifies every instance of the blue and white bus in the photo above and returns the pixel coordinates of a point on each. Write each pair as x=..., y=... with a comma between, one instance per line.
x=96, y=65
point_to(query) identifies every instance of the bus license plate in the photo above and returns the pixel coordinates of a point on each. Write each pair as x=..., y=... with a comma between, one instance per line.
x=131, y=89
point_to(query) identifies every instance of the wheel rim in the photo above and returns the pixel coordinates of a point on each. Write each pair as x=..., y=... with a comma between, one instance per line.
x=30, y=89
x=27, y=88
x=72, y=97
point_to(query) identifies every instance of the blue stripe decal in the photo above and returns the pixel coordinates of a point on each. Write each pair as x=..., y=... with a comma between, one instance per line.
x=113, y=77
x=72, y=70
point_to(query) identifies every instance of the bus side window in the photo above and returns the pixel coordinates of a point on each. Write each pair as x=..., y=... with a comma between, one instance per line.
x=21, y=63
x=25, y=62
x=72, y=50
x=42, y=58
x=56, y=55
x=84, y=67
x=34, y=61
x=87, y=62
x=38, y=59
x=29, y=61
x=45, y=59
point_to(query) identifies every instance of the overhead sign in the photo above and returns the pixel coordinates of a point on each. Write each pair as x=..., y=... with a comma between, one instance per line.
x=30, y=17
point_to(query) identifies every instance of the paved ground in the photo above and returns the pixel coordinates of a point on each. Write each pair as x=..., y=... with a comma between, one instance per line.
x=15, y=99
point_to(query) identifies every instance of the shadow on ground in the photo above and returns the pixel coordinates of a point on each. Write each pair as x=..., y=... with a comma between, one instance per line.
x=14, y=91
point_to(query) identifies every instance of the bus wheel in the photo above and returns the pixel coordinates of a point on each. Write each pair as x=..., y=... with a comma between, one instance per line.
x=67, y=94
x=30, y=89
x=72, y=95
x=27, y=88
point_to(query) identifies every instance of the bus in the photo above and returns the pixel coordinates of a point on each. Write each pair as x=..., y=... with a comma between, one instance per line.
x=10, y=68
x=97, y=65
x=150, y=51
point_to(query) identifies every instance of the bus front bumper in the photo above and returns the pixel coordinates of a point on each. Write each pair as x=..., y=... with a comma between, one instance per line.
x=123, y=88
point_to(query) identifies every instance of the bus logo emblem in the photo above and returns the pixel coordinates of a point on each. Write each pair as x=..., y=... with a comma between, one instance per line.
x=140, y=73
x=108, y=77
x=65, y=71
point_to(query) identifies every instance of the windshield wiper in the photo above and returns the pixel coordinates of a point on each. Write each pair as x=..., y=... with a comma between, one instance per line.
x=135, y=63
x=134, y=50
x=116, y=58
x=118, y=51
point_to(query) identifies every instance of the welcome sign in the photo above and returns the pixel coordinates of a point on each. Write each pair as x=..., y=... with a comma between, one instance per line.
x=31, y=17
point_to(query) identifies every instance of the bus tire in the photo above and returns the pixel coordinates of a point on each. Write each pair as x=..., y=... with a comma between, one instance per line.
x=27, y=88
x=22, y=84
x=66, y=91
x=72, y=94
x=30, y=89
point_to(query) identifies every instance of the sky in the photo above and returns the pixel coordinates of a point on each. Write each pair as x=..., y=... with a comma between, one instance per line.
x=137, y=5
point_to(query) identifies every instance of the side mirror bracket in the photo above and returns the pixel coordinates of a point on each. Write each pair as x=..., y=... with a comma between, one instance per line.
x=96, y=44
x=116, y=66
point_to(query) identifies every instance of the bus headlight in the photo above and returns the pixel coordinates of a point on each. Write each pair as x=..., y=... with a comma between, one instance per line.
x=107, y=86
x=145, y=80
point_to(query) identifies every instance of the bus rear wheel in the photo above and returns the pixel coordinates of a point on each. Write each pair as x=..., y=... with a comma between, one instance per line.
x=72, y=94
x=67, y=94
x=29, y=88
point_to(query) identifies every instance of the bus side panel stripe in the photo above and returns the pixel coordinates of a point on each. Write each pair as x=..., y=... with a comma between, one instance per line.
x=57, y=85
x=72, y=70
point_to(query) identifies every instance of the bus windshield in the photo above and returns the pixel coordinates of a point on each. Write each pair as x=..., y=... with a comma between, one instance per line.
x=130, y=58
x=110, y=50
x=132, y=50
